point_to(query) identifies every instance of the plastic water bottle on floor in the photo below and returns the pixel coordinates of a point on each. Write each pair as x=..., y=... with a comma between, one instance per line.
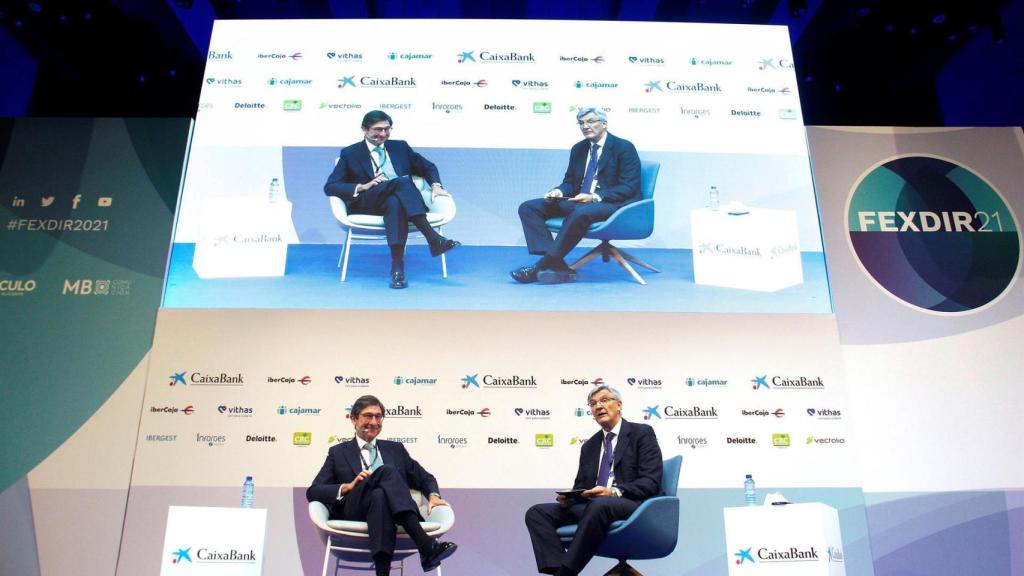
x=749, y=491
x=713, y=200
x=275, y=191
x=248, y=488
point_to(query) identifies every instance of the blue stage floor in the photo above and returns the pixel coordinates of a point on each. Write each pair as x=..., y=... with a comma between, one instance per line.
x=478, y=280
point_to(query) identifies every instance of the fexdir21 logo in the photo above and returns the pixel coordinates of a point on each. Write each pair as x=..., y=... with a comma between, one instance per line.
x=933, y=234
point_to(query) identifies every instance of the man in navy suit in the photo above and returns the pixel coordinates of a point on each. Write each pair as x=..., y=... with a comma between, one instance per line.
x=367, y=479
x=374, y=176
x=603, y=174
x=620, y=467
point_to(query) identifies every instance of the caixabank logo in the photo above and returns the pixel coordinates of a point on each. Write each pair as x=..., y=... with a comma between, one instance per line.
x=933, y=234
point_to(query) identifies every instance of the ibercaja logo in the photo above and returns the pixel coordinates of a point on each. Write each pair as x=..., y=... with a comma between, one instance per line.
x=933, y=234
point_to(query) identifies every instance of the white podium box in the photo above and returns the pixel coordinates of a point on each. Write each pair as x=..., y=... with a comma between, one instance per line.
x=758, y=251
x=213, y=541
x=790, y=540
x=242, y=237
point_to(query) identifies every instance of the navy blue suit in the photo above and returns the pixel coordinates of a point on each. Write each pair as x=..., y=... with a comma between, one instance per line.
x=618, y=183
x=396, y=200
x=637, y=466
x=376, y=499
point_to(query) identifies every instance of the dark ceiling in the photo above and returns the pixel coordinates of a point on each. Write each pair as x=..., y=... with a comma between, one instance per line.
x=882, y=62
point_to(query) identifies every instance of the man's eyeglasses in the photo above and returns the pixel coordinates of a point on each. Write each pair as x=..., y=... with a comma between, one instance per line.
x=369, y=417
x=380, y=130
x=590, y=122
x=601, y=401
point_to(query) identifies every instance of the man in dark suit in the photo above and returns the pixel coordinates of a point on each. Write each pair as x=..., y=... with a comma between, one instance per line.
x=374, y=176
x=620, y=467
x=368, y=480
x=603, y=174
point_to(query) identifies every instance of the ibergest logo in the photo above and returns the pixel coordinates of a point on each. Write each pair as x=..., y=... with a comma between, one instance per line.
x=352, y=381
x=414, y=381
x=706, y=382
x=483, y=412
x=489, y=57
x=533, y=413
x=223, y=82
x=644, y=383
x=235, y=411
x=787, y=382
x=201, y=379
x=693, y=442
x=933, y=234
x=186, y=410
x=581, y=59
x=283, y=410
x=513, y=382
x=161, y=437
x=646, y=61
x=825, y=413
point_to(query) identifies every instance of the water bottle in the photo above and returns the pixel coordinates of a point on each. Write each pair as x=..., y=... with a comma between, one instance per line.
x=749, y=491
x=247, y=491
x=275, y=191
x=713, y=202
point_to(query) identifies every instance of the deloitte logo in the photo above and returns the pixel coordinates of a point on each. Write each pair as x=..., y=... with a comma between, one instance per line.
x=933, y=234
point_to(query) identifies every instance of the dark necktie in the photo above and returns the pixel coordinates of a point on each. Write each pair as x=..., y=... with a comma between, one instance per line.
x=605, y=470
x=588, y=175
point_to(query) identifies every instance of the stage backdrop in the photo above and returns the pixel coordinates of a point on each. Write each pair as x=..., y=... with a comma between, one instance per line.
x=86, y=210
x=922, y=229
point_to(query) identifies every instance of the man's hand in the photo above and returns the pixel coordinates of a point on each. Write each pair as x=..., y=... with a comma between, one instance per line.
x=584, y=198
x=360, y=188
x=349, y=486
x=435, y=501
x=560, y=498
x=553, y=195
x=597, y=491
x=438, y=190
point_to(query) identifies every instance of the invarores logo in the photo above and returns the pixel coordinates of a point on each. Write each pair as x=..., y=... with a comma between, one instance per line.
x=933, y=234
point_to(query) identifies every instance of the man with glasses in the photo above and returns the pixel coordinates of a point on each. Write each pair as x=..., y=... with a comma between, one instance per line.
x=374, y=176
x=368, y=480
x=603, y=174
x=620, y=467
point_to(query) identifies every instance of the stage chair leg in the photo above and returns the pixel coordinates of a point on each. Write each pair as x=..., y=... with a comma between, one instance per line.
x=344, y=255
x=623, y=569
x=594, y=252
x=622, y=262
x=444, y=262
x=635, y=260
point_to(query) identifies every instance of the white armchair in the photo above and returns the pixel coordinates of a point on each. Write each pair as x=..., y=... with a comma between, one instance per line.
x=350, y=539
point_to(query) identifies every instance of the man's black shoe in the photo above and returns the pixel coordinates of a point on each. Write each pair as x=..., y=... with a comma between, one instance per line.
x=556, y=276
x=525, y=275
x=398, y=280
x=439, y=552
x=444, y=245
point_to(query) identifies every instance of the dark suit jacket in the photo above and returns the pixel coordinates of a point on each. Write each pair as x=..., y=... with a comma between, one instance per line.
x=343, y=465
x=637, y=464
x=618, y=171
x=355, y=167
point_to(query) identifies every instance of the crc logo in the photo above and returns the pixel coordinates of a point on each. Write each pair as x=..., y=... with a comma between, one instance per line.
x=933, y=235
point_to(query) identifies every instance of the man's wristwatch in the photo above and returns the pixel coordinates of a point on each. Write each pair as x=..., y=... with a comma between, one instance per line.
x=616, y=492
x=433, y=494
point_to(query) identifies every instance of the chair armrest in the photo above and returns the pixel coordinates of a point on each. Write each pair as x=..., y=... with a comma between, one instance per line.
x=443, y=515
x=633, y=221
x=443, y=205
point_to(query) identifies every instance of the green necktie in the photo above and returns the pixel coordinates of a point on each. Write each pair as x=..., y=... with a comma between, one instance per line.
x=380, y=157
x=371, y=449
